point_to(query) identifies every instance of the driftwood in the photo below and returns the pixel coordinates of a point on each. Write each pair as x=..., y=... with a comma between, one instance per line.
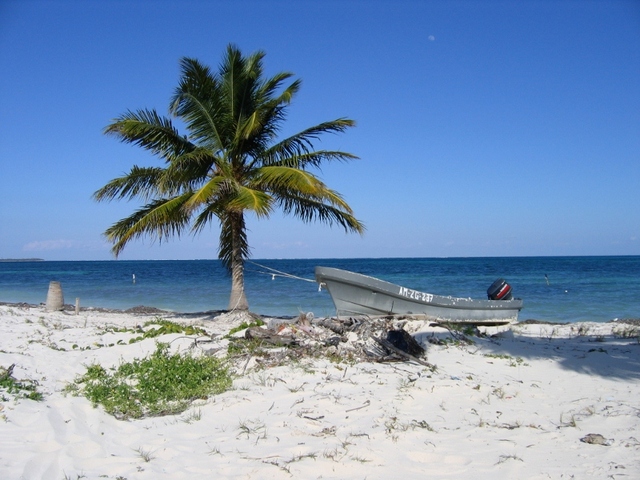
x=394, y=344
x=269, y=336
x=331, y=324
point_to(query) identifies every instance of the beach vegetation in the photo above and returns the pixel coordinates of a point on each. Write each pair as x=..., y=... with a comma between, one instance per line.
x=154, y=329
x=422, y=424
x=146, y=455
x=460, y=334
x=405, y=383
x=504, y=458
x=11, y=388
x=460, y=329
x=302, y=456
x=393, y=424
x=299, y=388
x=160, y=384
x=166, y=327
x=550, y=334
x=193, y=416
x=499, y=392
x=627, y=331
x=265, y=380
x=276, y=463
x=511, y=426
x=581, y=330
x=229, y=164
x=78, y=476
x=358, y=458
x=245, y=325
x=513, y=362
x=215, y=451
x=571, y=422
x=337, y=357
x=332, y=454
x=598, y=350
x=249, y=428
x=248, y=346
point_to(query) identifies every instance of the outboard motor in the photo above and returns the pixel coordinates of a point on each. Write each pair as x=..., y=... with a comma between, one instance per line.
x=499, y=290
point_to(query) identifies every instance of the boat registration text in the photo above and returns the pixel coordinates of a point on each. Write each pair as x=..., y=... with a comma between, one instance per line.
x=415, y=295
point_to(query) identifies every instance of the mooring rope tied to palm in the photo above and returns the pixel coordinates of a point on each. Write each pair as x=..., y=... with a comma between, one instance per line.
x=277, y=273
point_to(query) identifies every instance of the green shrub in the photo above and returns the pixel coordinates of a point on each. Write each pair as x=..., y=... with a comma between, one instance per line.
x=165, y=327
x=18, y=389
x=244, y=326
x=160, y=384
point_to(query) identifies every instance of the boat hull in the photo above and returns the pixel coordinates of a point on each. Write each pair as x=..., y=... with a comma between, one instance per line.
x=357, y=294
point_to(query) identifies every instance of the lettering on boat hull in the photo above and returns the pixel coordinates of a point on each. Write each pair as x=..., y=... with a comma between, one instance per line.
x=415, y=295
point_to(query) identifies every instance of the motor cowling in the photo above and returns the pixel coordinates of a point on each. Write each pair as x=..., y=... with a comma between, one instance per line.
x=499, y=290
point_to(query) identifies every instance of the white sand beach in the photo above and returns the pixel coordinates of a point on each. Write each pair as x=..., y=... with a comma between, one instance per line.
x=515, y=406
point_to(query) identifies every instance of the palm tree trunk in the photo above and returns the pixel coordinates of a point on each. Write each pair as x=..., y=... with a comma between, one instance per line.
x=238, y=299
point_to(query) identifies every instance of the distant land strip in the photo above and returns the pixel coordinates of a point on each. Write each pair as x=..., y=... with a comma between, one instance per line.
x=21, y=259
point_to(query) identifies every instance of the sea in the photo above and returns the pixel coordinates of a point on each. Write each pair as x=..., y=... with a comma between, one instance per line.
x=554, y=289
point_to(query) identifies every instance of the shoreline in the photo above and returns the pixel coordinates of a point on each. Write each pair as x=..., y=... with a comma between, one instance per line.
x=148, y=310
x=139, y=309
x=521, y=404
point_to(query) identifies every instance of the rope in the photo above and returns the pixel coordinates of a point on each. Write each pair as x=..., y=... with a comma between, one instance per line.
x=277, y=273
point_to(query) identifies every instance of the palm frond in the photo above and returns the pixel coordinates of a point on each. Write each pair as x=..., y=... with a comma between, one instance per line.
x=140, y=181
x=284, y=179
x=152, y=132
x=204, y=194
x=312, y=159
x=191, y=170
x=303, y=195
x=284, y=182
x=262, y=120
x=310, y=209
x=161, y=218
x=198, y=100
x=246, y=198
x=302, y=143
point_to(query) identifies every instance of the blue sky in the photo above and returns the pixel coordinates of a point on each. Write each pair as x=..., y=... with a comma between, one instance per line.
x=483, y=128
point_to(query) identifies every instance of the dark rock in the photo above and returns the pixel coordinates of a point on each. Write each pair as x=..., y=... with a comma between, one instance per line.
x=402, y=340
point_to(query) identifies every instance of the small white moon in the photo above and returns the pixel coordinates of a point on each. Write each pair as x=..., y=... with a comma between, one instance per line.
x=431, y=38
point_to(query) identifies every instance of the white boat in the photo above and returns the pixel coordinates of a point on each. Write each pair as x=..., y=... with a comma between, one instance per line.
x=356, y=294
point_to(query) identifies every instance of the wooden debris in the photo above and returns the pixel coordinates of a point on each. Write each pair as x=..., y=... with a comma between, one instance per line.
x=375, y=339
x=332, y=324
x=269, y=336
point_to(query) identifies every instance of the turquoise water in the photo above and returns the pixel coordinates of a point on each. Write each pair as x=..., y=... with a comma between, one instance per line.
x=579, y=288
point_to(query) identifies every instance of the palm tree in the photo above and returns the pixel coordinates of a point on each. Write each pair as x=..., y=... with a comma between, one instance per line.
x=229, y=164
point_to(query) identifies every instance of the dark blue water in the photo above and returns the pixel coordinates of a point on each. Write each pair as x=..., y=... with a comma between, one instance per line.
x=579, y=288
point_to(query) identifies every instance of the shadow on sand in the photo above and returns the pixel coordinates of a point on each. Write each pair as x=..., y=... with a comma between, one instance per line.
x=607, y=355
